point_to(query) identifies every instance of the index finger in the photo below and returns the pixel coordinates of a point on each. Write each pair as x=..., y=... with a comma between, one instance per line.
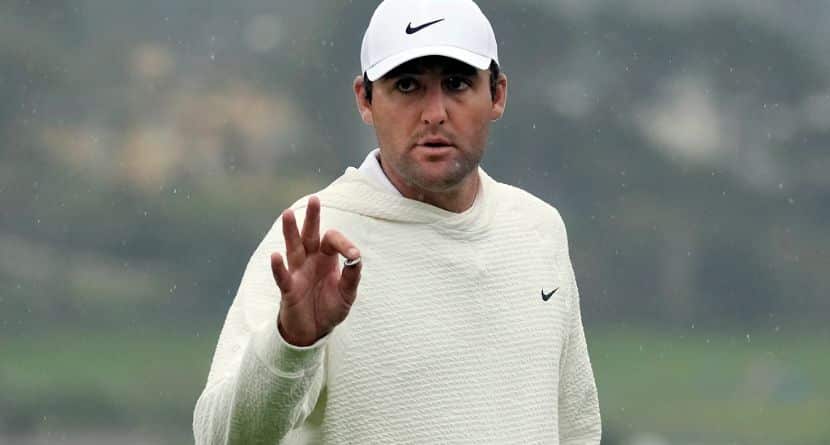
x=335, y=242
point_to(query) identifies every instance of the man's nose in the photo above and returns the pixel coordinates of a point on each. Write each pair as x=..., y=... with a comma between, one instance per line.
x=434, y=111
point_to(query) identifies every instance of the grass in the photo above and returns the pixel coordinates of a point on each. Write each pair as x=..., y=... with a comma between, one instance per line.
x=80, y=379
x=693, y=387
x=704, y=386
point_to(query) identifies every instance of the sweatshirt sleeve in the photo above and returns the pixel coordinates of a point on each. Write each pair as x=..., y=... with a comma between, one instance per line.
x=579, y=417
x=260, y=388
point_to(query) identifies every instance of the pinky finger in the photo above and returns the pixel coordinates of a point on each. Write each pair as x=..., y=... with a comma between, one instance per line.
x=281, y=274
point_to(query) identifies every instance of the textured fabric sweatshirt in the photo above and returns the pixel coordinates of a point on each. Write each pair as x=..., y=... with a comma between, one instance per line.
x=466, y=330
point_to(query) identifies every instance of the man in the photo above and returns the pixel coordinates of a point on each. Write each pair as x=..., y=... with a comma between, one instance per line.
x=455, y=317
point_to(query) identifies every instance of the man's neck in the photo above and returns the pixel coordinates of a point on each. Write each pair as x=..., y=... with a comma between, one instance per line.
x=456, y=200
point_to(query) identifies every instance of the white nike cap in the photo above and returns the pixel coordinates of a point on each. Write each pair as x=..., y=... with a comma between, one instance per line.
x=402, y=30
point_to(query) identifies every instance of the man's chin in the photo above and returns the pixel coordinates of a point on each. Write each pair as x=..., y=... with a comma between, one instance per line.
x=439, y=183
x=443, y=175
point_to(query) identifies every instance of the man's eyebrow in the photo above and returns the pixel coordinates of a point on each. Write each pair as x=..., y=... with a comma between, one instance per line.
x=460, y=69
x=463, y=70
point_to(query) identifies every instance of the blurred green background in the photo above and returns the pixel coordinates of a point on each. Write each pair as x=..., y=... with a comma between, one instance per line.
x=146, y=148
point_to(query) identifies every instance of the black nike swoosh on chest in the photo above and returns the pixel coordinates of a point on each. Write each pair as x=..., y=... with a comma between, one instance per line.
x=546, y=297
x=411, y=30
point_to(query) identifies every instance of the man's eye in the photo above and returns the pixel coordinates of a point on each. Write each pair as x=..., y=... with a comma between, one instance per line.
x=456, y=83
x=406, y=85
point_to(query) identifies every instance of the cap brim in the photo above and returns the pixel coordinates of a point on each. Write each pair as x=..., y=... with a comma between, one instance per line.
x=388, y=64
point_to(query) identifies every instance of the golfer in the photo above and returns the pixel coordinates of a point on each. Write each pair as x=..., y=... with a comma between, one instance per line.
x=415, y=299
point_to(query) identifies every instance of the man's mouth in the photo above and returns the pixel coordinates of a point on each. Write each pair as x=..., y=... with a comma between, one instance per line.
x=434, y=142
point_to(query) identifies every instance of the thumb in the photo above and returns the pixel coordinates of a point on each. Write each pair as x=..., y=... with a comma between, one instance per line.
x=349, y=279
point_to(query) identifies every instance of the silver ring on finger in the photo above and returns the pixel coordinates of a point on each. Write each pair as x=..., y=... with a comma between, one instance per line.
x=349, y=263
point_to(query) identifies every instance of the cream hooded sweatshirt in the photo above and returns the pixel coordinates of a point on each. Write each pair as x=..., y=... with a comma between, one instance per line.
x=449, y=341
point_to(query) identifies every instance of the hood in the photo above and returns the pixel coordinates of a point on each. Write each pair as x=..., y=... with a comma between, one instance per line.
x=353, y=192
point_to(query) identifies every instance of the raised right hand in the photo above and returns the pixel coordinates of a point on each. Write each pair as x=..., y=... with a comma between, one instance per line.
x=316, y=296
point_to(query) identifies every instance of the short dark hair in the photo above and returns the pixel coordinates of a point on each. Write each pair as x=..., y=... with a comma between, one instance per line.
x=431, y=61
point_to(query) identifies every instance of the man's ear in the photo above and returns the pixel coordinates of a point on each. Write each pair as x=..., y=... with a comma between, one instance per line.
x=364, y=107
x=499, y=98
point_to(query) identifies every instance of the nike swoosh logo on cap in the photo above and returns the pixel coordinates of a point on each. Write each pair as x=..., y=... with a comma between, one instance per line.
x=411, y=30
